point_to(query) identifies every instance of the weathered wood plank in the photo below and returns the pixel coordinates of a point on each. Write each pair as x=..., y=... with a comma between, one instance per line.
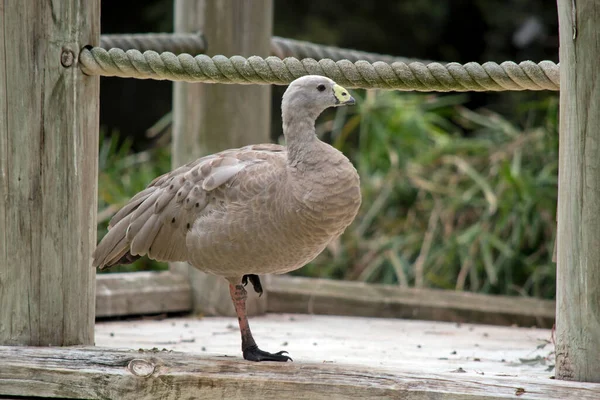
x=48, y=172
x=386, y=343
x=137, y=293
x=103, y=373
x=152, y=293
x=209, y=118
x=578, y=272
x=321, y=296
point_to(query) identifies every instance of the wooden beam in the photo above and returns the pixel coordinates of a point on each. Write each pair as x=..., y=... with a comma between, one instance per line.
x=48, y=172
x=321, y=296
x=161, y=292
x=137, y=293
x=210, y=118
x=578, y=272
x=100, y=373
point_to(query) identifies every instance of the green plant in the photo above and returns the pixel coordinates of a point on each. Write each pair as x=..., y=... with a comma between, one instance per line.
x=451, y=198
x=441, y=209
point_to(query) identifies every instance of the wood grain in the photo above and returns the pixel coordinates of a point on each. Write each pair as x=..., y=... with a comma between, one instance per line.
x=48, y=172
x=138, y=293
x=208, y=118
x=386, y=343
x=578, y=272
x=104, y=373
x=159, y=292
x=322, y=296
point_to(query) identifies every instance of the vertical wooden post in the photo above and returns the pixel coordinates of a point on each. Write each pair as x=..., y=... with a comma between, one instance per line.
x=48, y=172
x=210, y=118
x=578, y=273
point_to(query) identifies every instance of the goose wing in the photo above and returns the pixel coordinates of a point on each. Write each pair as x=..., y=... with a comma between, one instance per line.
x=155, y=221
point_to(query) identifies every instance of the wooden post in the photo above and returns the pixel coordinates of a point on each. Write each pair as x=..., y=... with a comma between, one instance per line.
x=578, y=272
x=209, y=118
x=48, y=172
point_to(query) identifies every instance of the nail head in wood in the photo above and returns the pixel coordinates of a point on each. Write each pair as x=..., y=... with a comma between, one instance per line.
x=67, y=57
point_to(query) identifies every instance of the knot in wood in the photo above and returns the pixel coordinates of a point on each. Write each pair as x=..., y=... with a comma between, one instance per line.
x=141, y=368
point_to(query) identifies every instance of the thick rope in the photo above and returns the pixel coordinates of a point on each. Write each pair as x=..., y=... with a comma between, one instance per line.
x=195, y=43
x=283, y=48
x=192, y=43
x=490, y=76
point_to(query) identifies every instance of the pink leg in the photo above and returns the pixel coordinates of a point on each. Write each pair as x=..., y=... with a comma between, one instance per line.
x=249, y=348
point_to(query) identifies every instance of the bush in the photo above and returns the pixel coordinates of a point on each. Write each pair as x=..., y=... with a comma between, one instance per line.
x=441, y=209
x=451, y=198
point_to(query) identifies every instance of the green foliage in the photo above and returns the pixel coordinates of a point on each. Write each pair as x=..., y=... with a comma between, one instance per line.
x=451, y=198
x=121, y=174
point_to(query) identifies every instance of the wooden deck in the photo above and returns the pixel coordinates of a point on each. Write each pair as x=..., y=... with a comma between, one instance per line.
x=335, y=357
x=418, y=346
x=409, y=358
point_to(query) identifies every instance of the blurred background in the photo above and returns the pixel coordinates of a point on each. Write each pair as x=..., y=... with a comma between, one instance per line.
x=459, y=190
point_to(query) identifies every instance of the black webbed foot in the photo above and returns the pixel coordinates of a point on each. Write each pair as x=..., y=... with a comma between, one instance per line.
x=253, y=353
x=255, y=281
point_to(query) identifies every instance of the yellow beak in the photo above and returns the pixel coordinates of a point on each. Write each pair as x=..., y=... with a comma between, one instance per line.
x=342, y=96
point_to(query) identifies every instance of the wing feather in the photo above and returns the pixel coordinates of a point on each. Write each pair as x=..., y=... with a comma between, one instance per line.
x=157, y=220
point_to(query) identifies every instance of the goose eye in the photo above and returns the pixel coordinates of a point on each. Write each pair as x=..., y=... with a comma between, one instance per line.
x=321, y=88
